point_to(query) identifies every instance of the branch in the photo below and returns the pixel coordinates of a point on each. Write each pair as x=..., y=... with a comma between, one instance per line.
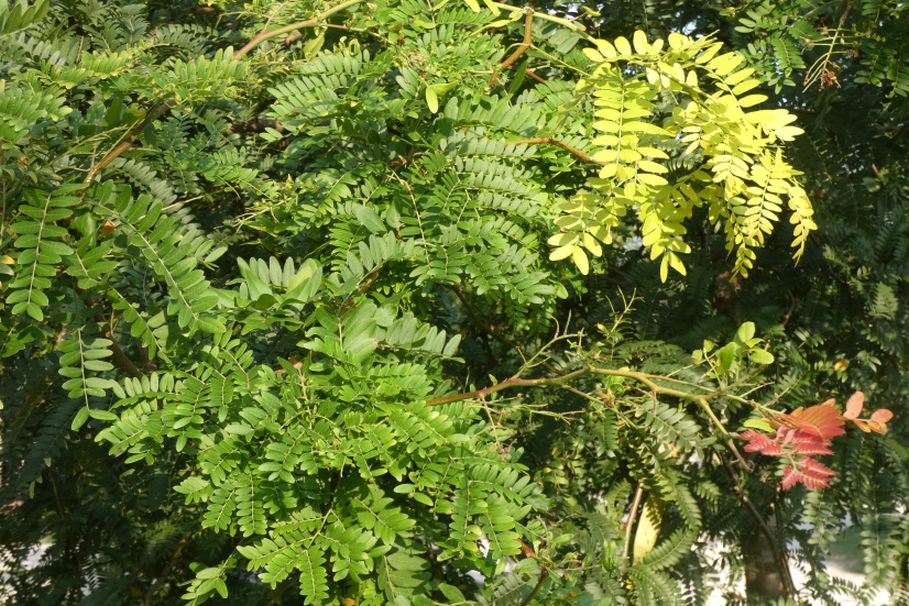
x=648, y=380
x=575, y=27
x=701, y=400
x=522, y=48
x=514, y=381
x=313, y=22
x=121, y=361
x=127, y=141
x=551, y=141
x=642, y=377
x=629, y=523
x=371, y=278
x=779, y=555
x=535, y=76
x=155, y=112
x=536, y=588
x=845, y=15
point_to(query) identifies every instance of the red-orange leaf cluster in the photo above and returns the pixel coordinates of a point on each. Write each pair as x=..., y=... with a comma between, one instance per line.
x=797, y=446
x=823, y=420
x=807, y=432
x=810, y=472
x=877, y=422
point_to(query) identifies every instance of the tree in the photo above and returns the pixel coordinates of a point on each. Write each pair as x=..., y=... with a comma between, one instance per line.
x=286, y=297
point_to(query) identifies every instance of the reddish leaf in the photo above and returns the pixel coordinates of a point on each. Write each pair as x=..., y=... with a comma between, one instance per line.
x=881, y=415
x=790, y=477
x=750, y=434
x=807, y=471
x=854, y=405
x=862, y=425
x=807, y=444
x=814, y=483
x=878, y=421
x=815, y=474
x=823, y=420
x=762, y=443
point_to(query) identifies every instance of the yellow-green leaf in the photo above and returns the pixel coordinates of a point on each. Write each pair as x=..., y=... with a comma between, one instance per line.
x=562, y=252
x=760, y=424
x=788, y=133
x=580, y=259
x=629, y=155
x=622, y=45
x=432, y=99
x=593, y=54
x=640, y=42
x=651, y=179
x=652, y=167
x=752, y=100
x=664, y=269
x=677, y=41
x=492, y=6
x=591, y=244
x=606, y=48
x=563, y=239
x=646, y=535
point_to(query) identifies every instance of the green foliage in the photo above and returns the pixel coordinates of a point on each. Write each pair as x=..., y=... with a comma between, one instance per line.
x=39, y=237
x=81, y=357
x=837, y=39
x=279, y=283
x=20, y=14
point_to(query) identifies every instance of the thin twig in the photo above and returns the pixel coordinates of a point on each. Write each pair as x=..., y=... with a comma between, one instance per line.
x=817, y=68
x=535, y=76
x=514, y=381
x=371, y=279
x=551, y=141
x=314, y=21
x=629, y=524
x=525, y=44
x=536, y=588
x=575, y=27
x=649, y=380
x=127, y=141
x=845, y=15
x=642, y=377
x=121, y=361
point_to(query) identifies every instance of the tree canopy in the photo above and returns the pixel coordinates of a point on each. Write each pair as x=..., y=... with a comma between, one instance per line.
x=412, y=303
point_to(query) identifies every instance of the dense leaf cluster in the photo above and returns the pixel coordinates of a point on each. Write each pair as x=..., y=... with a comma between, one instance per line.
x=279, y=284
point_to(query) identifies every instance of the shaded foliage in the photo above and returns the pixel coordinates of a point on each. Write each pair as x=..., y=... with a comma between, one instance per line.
x=259, y=261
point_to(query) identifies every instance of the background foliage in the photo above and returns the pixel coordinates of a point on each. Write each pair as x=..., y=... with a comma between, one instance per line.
x=283, y=310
